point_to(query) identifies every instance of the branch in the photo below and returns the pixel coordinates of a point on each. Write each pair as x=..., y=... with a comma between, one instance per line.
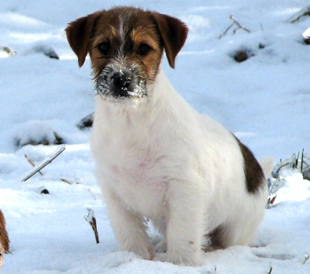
x=31, y=162
x=45, y=162
x=225, y=32
x=234, y=22
x=271, y=200
x=69, y=181
x=304, y=12
x=306, y=258
x=90, y=218
x=239, y=26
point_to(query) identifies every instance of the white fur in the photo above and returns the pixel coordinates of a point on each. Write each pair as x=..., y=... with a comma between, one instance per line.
x=157, y=158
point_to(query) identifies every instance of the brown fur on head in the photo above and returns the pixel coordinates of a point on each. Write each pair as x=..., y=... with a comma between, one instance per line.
x=129, y=41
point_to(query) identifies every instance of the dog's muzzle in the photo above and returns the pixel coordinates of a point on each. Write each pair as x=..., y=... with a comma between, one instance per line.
x=120, y=84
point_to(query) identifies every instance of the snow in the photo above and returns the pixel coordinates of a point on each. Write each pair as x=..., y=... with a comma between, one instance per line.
x=263, y=100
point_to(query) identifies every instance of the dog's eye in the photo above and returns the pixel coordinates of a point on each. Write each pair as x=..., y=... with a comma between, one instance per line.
x=143, y=49
x=104, y=48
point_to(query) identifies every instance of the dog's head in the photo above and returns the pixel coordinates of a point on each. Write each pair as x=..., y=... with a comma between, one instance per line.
x=125, y=45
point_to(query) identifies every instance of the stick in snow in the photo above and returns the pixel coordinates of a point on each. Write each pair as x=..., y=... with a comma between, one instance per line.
x=303, y=12
x=31, y=162
x=44, y=163
x=234, y=31
x=69, y=181
x=306, y=258
x=90, y=218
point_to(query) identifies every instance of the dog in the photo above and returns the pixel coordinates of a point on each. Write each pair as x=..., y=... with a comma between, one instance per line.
x=4, y=238
x=156, y=158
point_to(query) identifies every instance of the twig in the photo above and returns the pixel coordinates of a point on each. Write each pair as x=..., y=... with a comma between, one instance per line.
x=225, y=32
x=44, y=163
x=295, y=163
x=90, y=218
x=283, y=166
x=305, y=13
x=69, y=182
x=31, y=162
x=302, y=161
x=234, y=22
x=271, y=200
x=306, y=258
x=239, y=26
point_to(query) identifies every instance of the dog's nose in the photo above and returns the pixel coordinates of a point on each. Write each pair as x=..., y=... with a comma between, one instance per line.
x=120, y=84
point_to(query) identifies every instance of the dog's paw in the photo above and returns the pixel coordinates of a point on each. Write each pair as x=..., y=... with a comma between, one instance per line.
x=185, y=258
x=161, y=247
x=144, y=251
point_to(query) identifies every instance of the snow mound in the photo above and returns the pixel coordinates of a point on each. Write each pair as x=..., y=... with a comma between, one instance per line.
x=35, y=132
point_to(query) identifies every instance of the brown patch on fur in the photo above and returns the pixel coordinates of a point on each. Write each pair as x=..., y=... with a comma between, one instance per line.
x=80, y=33
x=253, y=172
x=174, y=34
x=217, y=240
x=4, y=239
x=125, y=29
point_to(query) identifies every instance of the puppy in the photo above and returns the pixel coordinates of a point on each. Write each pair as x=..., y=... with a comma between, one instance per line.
x=4, y=238
x=156, y=158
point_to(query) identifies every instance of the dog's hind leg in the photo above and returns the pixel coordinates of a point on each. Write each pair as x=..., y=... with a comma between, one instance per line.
x=243, y=223
x=160, y=225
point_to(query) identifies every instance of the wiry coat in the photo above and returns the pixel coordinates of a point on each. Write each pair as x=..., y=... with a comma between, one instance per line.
x=184, y=171
x=156, y=157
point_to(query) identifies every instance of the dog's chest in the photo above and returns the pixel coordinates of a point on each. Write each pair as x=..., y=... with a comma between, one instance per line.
x=140, y=183
x=135, y=166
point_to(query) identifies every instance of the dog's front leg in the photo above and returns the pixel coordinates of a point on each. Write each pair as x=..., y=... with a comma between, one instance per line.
x=129, y=227
x=185, y=223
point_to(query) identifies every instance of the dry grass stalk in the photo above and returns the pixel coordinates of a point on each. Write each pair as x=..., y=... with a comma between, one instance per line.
x=303, y=12
x=69, y=182
x=271, y=200
x=235, y=22
x=31, y=162
x=90, y=218
x=306, y=258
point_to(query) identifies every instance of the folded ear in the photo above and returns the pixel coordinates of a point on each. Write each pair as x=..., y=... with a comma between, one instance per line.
x=173, y=33
x=79, y=35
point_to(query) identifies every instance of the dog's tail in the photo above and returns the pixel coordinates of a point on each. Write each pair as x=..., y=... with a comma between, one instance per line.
x=267, y=164
x=4, y=238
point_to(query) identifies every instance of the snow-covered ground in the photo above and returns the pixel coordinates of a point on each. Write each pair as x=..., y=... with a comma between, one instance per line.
x=264, y=100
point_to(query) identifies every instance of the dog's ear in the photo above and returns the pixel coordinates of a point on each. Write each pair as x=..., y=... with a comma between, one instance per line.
x=173, y=33
x=79, y=35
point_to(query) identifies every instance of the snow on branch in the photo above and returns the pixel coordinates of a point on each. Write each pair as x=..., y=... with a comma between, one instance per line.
x=306, y=258
x=303, y=12
x=90, y=218
x=32, y=162
x=235, y=22
x=44, y=163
